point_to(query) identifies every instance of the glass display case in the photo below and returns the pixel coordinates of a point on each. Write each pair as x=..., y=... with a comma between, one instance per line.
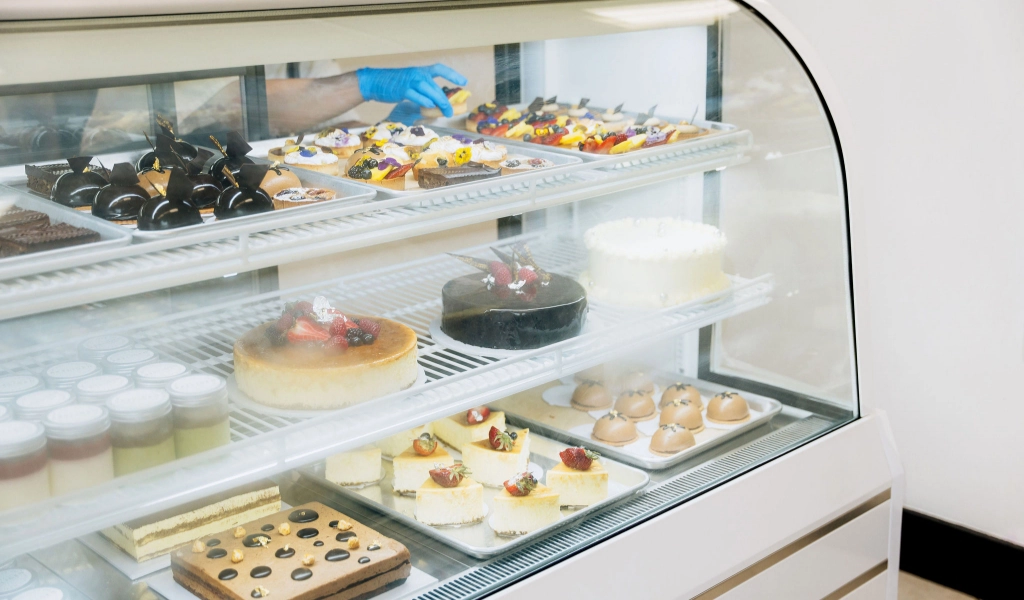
x=294, y=318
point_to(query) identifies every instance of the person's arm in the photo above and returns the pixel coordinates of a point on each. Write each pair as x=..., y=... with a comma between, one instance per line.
x=297, y=105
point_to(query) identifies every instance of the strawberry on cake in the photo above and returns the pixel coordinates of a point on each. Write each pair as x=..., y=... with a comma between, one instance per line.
x=316, y=357
x=579, y=479
x=524, y=505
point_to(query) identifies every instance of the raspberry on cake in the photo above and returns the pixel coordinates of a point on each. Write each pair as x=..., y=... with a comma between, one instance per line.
x=580, y=479
x=316, y=357
x=448, y=497
x=499, y=457
x=413, y=466
x=463, y=428
x=354, y=468
x=523, y=505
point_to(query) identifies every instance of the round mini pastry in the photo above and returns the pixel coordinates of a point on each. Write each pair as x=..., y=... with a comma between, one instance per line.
x=456, y=98
x=670, y=439
x=309, y=359
x=638, y=405
x=615, y=429
x=682, y=412
x=681, y=391
x=488, y=153
x=78, y=188
x=380, y=133
x=636, y=380
x=728, y=408
x=314, y=159
x=591, y=395
x=595, y=373
x=414, y=138
x=279, y=178
x=338, y=141
x=512, y=166
x=300, y=196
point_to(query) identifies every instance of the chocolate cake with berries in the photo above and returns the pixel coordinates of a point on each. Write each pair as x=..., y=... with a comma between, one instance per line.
x=515, y=306
x=316, y=357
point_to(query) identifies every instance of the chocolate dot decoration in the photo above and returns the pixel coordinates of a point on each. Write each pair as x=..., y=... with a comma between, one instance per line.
x=217, y=553
x=318, y=543
x=303, y=516
x=267, y=527
x=260, y=572
x=301, y=574
x=256, y=593
x=252, y=540
x=364, y=560
x=285, y=552
x=227, y=574
x=373, y=547
x=344, y=535
x=333, y=524
x=213, y=542
x=337, y=554
x=308, y=532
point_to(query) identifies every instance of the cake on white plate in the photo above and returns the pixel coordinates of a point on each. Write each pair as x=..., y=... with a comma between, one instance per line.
x=501, y=456
x=394, y=445
x=413, y=466
x=448, y=497
x=357, y=467
x=580, y=479
x=471, y=426
x=653, y=263
x=523, y=506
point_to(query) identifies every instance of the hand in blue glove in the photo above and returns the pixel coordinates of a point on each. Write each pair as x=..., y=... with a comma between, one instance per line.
x=411, y=83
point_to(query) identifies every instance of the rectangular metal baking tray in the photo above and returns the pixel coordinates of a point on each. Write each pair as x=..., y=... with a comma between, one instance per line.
x=111, y=235
x=722, y=134
x=478, y=539
x=765, y=408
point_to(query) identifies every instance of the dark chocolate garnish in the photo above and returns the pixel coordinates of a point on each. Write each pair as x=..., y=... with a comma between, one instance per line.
x=373, y=547
x=79, y=187
x=318, y=543
x=337, y=554
x=301, y=574
x=213, y=542
x=121, y=199
x=253, y=540
x=227, y=574
x=303, y=516
x=267, y=527
x=260, y=572
x=233, y=159
x=217, y=553
x=364, y=560
x=308, y=532
x=344, y=535
x=285, y=552
x=333, y=524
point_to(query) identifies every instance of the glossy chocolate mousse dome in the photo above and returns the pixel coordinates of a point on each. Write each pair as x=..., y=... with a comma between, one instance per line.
x=121, y=199
x=728, y=407
x=205, y=188
x=683, y=412
x=247, y=198
x=591, y=395
x=681, y=391
x=615, y=429
x=233, y=159
x=636, y=404
x=172, y=210
x=671, y=438
x=79, y=187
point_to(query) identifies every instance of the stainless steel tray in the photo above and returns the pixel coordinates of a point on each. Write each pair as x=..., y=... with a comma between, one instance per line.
x=525, y=410
x=479, y=539
x=111, y=235
x=723, y=134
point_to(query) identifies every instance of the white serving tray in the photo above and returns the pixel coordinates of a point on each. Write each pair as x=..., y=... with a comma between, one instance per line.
x=478, y=539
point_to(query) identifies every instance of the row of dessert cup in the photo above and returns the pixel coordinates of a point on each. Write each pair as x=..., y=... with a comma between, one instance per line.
x=118, y=410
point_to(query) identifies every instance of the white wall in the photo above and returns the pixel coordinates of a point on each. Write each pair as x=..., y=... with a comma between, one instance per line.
x=931, y=95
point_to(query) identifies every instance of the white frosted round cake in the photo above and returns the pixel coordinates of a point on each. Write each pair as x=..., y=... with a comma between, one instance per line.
x=652, y=263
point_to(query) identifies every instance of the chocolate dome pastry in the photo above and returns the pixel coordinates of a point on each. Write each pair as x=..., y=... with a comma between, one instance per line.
x=279, y=178
x=728, y=408
x=233, y=159
x=635, y=380
x=595, y=373
x=172, y=210
x=78, y=188
x=615, y=430
x=590, y=395
x=205, y=188
x=186, y=151
x=121, y=199
x=682, y=412
x=247, y=198
x=155, y=177
x=670, y=439
x=638, y=405
x=681, y=391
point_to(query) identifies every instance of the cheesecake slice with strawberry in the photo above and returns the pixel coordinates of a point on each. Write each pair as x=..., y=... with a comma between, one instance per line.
x=499, y=457
x=524, y=505
x=468, y=427
x=413, y=466
x=580, y=479
x=449, y=497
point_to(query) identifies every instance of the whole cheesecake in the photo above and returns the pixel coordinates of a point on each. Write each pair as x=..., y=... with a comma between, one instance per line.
x=283, y=370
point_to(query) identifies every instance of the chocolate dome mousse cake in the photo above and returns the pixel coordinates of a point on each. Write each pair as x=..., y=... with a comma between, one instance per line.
x=681, y=391
x=515, y=306
x=670, y=439
x=728, y=408
x=637, y=405
x=683, y=412
x=591, y=395
x=615, y=429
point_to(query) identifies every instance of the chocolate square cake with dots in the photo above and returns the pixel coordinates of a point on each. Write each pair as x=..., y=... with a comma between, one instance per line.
x=303, y=553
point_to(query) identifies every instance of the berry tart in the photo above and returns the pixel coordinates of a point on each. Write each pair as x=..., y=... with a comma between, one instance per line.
x=316, y=357
x=465, y=428
x=380, y=133
x=580, y=479
x=357, y=467
x=448, y=497
x=456, y=97
x=728, y=408
x=314, y=159
x=413, y=466
x=524, y=505
x=516, y=305
x=388, y=165
x=500, y=456
x=492, y=119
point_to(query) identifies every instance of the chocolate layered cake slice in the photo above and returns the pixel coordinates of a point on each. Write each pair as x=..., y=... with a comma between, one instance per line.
x=160, y=533
x=41, y=178
x=20, y=218
x=303, y=553
x=445, y=176
x=18, y=241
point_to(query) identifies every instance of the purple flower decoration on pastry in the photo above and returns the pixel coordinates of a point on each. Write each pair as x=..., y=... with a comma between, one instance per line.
x=382, y=165
x=463, y=139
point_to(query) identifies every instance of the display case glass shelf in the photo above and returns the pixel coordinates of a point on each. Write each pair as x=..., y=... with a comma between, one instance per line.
x=241, y=291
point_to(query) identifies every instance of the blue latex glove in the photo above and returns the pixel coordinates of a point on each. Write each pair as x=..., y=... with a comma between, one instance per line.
x=404, y=112
x=411, y=83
